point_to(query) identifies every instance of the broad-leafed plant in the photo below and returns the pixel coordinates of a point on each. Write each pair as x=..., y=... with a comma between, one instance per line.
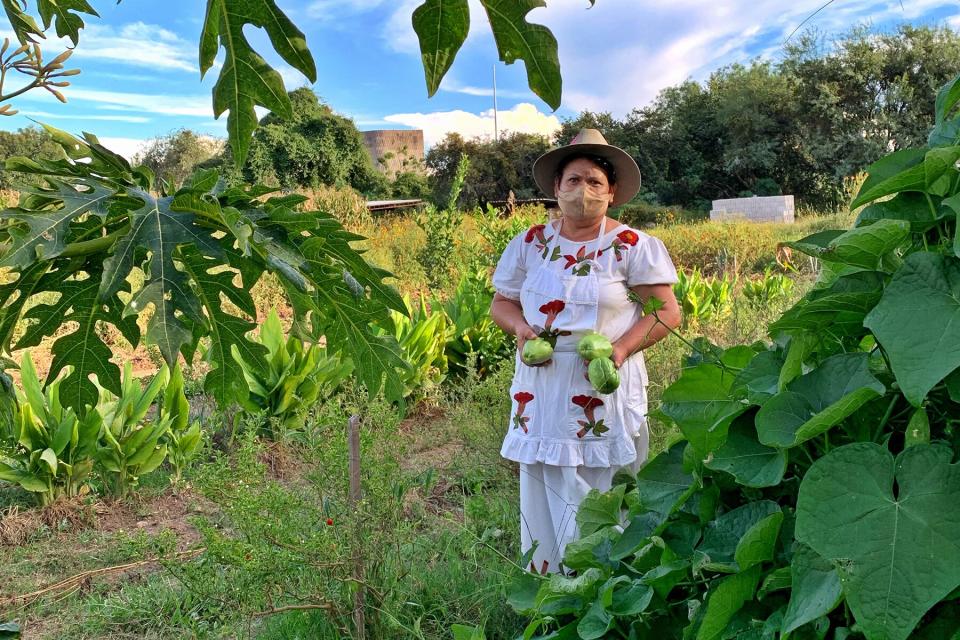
x=96, y=223
x=45, y=448
x=814, y=492
x=183, y=438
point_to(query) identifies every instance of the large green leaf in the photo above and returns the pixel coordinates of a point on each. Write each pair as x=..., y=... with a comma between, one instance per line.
x=818, y=400
x=700, y=403
x=47, y=223
x=841, y=307
x=918, y=322
x=517, y=39
x=441, y=26
x=900, y=171
x=598, y=510
x=65, y=12
x=741, y=538
x=743, y=457
x=663, y=485
x=815, y=589
x=246, y=79
x=725, y=600
x=890, y=526
x=910, y=206
x=759, y=380
x=864, y=247
x=24, y=26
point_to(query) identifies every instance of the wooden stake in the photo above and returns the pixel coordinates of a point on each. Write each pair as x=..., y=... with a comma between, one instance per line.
x=359, y=597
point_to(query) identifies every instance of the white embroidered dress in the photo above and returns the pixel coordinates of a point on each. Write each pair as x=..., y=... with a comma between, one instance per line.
x=567, y=437
x=570, y=288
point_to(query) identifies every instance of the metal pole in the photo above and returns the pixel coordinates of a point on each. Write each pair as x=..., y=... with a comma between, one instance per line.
x=496, y=128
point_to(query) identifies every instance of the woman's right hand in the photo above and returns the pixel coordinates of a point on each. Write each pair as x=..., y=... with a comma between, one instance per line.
x=525, y=332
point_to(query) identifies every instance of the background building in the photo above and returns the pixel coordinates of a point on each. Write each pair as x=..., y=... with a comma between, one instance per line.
x=395, y=150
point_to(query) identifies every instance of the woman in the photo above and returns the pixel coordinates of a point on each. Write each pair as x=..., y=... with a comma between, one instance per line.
x=560, y=281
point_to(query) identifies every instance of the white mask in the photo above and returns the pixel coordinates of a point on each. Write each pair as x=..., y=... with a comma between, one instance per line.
x=579, y=204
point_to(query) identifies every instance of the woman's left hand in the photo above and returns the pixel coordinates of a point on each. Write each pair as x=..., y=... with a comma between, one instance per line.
x=619, y=355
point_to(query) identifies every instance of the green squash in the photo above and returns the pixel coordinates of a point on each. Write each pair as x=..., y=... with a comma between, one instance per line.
x=603, y=375
x=536, y=351
x=593, y=346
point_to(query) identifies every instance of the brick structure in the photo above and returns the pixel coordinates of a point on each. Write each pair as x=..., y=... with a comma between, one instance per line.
x=756, y=209
x=390, y=148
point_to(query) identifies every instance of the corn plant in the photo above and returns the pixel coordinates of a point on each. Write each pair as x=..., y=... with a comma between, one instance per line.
x=47, y=450
x=184, y=438
x=769, y=287
x=703, y=298
x=131, y=444
x=474, y=335
x=295, y=375
x=422, y=336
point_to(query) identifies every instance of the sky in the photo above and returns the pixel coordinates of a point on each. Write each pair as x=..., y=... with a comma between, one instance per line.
x=140, y=77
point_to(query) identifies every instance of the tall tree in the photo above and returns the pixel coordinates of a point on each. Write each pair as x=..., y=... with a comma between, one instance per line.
x=29, y=142
x=173, y=157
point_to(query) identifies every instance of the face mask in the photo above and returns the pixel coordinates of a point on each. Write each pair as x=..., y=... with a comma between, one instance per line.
x=579, y=204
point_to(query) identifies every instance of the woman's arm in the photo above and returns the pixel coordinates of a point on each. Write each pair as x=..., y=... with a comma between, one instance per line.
x=648, y=330
x=508, y=315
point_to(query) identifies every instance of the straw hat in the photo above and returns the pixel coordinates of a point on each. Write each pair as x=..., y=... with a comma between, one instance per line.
x=590, y=142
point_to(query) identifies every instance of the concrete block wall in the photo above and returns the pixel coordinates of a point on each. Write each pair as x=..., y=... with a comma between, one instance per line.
x=757, y=209
x=402, y=143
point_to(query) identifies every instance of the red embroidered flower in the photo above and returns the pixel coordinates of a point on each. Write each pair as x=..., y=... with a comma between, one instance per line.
x=523, y=397
x=587, y=402
x=534, y=232
x=629, y=237
x=553, y=307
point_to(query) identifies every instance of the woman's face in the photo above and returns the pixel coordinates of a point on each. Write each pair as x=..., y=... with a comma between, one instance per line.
x=583, y=191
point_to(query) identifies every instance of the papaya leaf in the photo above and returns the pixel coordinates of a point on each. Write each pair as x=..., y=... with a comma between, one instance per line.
x=68, y=22
x=47, y=228
x=246, y=79
x=890, y=526
x=441, y=27
x=930, y=350
x=24, y=26
x=818, y=400
x=517, y=39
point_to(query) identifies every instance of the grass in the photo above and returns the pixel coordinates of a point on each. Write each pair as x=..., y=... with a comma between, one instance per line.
x=436, y=532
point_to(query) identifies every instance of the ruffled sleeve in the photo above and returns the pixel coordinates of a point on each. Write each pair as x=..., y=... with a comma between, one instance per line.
x=511, y=269
x=650, y=263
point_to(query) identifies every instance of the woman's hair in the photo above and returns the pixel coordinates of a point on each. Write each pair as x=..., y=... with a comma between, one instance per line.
x=604, y=165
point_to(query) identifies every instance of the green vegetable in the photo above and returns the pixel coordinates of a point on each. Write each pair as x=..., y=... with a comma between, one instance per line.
x=536, y=351
x=593, y=346
x=603, y=375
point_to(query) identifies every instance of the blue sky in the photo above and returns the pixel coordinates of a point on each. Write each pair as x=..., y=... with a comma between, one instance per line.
x=140, y=76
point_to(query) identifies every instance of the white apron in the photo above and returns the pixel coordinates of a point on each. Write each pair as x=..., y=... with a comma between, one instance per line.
x=567, y=437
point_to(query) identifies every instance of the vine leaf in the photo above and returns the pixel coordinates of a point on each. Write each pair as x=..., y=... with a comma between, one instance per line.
x=518, y=39
x=158, y=230
x=815, y=589
x=930, y=350
x=442, y=27
x=47, y=228
x=749, y=462
x=890, y=527
x=246, y=79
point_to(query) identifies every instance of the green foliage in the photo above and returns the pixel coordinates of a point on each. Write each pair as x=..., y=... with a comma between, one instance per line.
x=475, y=342
x=202, y=249
x=496, y=167
x=184, y=438
x=31, y=142
x=767, y=288
x=422, y=335
x=703, y=298
x=497, y=231
x=175, y=156
x=309, y=147
x=45, y=448
x=814, y=493
x=295, y=376
x=441, y=226
x=131, y=443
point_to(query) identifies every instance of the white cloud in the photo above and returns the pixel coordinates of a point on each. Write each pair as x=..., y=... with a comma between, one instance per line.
x=165, y=104
x=524, y=118
x=138, y=44
x=127, y=147
x=64, y=116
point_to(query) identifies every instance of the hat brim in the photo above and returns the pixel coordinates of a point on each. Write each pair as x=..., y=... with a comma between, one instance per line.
x=627, y=171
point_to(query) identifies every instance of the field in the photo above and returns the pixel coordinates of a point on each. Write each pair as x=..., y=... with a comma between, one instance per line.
x=258, y=539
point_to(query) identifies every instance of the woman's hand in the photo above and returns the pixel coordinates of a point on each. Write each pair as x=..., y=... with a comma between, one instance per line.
x=525, y=332
x=619, y=355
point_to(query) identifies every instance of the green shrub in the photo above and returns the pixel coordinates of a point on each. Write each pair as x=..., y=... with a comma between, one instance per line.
x=475, y=342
